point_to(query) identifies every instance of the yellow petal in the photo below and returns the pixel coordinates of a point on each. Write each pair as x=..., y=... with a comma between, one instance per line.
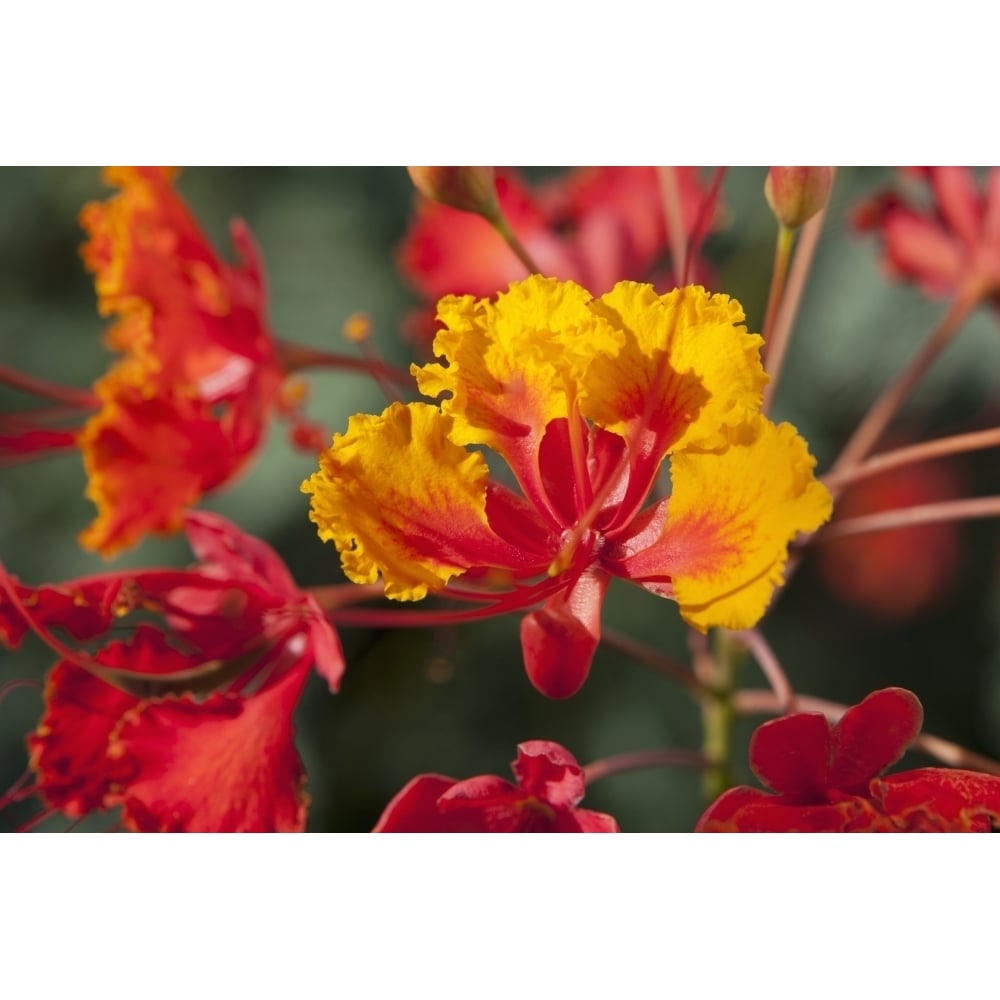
x=515, y=365
x=731, y=517
x=399, y=498
x=687, y=370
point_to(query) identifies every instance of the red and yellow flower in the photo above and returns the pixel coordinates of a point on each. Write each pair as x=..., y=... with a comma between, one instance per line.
x=583, y=399
x=550, y=785
x=185, y=720
x=826, y=779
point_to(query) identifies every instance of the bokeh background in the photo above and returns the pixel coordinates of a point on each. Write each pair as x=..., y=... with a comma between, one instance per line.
x=456, y=701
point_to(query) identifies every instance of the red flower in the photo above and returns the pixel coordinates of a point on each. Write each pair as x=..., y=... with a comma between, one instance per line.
x=953, y=243
x=826, y=778
x=187, y=722
x=550, y=783
x=595, y=226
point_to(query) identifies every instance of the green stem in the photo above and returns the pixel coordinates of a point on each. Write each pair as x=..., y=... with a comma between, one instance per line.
x=719, y=717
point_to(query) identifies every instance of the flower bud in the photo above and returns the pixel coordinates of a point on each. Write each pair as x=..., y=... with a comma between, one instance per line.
x=796, y=194
x=470, y=189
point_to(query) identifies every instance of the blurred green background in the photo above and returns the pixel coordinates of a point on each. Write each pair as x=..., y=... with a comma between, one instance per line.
x=456, y=701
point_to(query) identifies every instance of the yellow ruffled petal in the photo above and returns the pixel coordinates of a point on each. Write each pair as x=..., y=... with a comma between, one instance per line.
x=688, y=370
x=399, y=498
x=731, y=517
x=517, y=364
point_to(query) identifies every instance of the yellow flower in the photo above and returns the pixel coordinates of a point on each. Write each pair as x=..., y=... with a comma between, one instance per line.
x=583, y=399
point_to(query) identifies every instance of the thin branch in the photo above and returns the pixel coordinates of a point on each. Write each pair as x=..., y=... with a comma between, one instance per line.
x=673, y=218
x=955, y=445
x=967, y=509
x=792, y=299
x=877, y=419
x=644, y=653
x=771, y=667
x=639, y=759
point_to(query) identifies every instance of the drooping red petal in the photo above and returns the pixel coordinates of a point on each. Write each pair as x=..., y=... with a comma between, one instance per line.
x=871, y=736
x=560, y=639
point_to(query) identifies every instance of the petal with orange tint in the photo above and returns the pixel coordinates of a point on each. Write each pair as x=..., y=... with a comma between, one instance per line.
x=730, y=519
x=398, y=497
x=147, y=460
x=227, y=764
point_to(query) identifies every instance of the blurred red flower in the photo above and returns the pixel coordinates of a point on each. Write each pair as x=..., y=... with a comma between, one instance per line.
x=593, y=225
x=550, y=784
x=186, y=723
x=952, y=243
x=825, y=779
x=899, y=573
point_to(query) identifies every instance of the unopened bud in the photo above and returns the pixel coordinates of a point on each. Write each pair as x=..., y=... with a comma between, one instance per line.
x=796, y=194
x=470, y=189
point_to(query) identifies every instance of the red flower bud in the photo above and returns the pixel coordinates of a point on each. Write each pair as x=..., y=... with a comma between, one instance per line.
x=796, y=194
x=469, y=189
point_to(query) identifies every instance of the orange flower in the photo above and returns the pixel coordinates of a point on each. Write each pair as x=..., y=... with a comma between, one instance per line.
x=186, y=406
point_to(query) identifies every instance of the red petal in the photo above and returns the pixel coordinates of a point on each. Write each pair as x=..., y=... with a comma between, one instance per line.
x=871, y=736
x=746, y=810
x=560, y=639
x=414, y=809
x=792, y=754
x=957, y=200
x=69, y=748
x=227, y=764
x=550, y=772
x=938, y=798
